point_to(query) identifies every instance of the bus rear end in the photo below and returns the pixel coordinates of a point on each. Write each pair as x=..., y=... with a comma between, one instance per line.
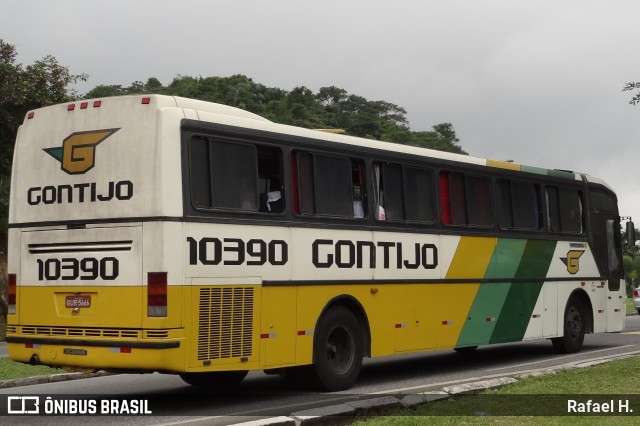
x=93, y=281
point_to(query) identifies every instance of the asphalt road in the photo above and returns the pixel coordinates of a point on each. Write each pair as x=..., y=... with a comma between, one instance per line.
x=262, y=395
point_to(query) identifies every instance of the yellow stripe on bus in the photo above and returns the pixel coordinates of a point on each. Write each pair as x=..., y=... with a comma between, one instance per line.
x=503, y=165
x=471, y=260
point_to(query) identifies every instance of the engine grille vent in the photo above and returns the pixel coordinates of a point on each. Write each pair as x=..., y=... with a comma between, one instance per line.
x=225, y=322
x=79, y=332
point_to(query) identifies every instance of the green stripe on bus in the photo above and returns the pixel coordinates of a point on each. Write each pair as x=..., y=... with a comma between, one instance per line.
x=531, y=169
x=522, y=296
x=490, y=298
x=562, y=174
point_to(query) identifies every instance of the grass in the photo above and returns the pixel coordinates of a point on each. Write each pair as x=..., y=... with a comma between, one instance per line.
x=3, y=328
x=543, y=394
x=630, y=308
x=16, y=370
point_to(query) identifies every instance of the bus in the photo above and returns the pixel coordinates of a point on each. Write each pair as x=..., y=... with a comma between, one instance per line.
x=152, y=233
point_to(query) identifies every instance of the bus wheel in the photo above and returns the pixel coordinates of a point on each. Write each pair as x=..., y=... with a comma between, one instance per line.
x=214, y=379
x=337, y=350
x=574, y=329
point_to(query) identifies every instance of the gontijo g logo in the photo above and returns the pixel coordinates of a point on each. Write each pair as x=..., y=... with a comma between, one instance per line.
x=77, y=154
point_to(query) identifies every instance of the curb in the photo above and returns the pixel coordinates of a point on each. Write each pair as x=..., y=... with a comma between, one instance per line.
x=51, y=378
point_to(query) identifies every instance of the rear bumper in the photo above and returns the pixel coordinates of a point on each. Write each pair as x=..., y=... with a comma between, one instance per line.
x=170, y=344
x=99, y=354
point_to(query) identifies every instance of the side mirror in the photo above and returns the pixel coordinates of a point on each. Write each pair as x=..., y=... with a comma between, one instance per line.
x=631, y=234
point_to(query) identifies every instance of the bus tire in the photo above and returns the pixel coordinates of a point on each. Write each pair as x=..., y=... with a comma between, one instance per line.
x=214, y=379
x=338, y=349
x=574, y=329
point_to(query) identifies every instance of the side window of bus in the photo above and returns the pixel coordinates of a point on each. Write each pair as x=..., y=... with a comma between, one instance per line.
x=403, y=193
x=465, y=199
x=564, y=210
x=270, y=182
x=327, y=185
x=235, y=176
x=519, y=205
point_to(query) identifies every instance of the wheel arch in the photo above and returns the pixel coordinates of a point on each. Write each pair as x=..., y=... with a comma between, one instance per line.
x=352, y=304
x=583, y=298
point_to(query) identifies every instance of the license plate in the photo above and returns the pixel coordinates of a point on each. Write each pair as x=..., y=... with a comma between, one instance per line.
x=74, y=351
x=78, y=301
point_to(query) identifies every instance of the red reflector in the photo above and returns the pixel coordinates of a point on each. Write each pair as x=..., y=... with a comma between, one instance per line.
x=28, y=345
x=125, y=350
x=264, y=336
x=71, y=107
x=97, y=104
x=146, y=101
x=84, y=105
x=30, y=115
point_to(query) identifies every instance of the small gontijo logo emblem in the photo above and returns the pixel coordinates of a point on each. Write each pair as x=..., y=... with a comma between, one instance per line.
x=77, y=154
x=572, y=260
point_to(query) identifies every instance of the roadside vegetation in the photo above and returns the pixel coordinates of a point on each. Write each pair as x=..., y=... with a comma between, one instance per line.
x=614, y=378
x=16, y=370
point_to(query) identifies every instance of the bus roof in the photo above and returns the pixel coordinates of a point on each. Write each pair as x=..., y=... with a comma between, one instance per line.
x=224, y=114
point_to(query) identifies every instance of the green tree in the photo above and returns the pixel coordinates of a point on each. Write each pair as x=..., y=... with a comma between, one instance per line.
x=631, y=262
x=443, y=138
x=45, y=82
x=152, y=85
x=633, y=86
x=330, y=107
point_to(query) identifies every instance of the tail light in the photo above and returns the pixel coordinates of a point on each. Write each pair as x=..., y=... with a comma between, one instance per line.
x=157, y=294
x=635, y=293
x=12, y=294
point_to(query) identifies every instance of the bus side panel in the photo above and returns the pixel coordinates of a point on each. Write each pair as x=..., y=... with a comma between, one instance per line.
x=523, y=295
x=278, y=329
x=549, y=314
x=616, y=309
x=472, y=258
x=491, y=296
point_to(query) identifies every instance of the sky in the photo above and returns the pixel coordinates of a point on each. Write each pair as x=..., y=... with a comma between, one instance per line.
x=537, y=82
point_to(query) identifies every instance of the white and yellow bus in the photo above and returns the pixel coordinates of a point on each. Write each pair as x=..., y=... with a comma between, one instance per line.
x=157, y=233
